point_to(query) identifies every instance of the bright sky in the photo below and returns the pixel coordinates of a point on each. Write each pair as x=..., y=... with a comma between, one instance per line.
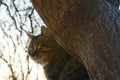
x=7, y=48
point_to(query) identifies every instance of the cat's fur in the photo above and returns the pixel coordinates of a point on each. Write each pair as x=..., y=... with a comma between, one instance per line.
x=57, y=63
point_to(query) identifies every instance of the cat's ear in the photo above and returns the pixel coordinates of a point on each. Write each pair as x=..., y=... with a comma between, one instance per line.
x=45, y=31
x=29, y=35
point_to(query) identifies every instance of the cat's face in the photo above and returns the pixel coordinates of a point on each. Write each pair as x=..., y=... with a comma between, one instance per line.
x=38, y=51
x=41, y=47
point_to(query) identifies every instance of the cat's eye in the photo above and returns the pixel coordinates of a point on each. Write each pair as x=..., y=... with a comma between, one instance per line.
x=39, y=46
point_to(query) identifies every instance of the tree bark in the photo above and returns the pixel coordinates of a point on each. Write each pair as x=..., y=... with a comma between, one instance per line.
x=88, y=30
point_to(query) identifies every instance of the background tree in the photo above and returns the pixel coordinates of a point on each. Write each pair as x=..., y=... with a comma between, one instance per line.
x=15, y=17
x=89, y=30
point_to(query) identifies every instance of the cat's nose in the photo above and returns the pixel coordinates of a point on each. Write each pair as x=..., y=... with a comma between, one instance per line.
x=32, y=54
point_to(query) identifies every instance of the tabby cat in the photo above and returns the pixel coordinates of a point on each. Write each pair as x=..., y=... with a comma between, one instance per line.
x=57, y=63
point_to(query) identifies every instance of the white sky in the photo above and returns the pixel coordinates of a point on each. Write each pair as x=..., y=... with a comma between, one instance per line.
x=7, y=48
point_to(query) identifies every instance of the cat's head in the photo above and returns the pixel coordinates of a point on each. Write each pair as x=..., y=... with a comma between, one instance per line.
x=40, y=47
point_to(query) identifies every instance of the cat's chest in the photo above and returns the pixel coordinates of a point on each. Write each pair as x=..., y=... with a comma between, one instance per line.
x=55, y=68
x=61, y=69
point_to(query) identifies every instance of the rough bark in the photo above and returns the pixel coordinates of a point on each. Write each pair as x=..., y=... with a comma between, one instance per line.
x=115, y=3
x=88, y=30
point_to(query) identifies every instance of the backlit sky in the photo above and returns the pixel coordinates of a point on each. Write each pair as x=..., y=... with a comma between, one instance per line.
x=7, y=47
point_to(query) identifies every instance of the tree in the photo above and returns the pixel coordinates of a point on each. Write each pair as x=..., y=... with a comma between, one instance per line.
x=88, y=30
x=17, y=16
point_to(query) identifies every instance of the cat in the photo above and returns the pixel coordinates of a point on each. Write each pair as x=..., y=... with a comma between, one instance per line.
x=56, y=62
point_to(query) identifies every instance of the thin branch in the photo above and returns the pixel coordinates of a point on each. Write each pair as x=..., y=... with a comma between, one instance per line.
x=10, y=67
x=11, y=16
x=21, y=67
x=10, y=39
x=30, y=18
x=28, y=66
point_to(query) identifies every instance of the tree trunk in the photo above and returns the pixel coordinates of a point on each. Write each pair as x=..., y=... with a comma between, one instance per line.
x=88, y=30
